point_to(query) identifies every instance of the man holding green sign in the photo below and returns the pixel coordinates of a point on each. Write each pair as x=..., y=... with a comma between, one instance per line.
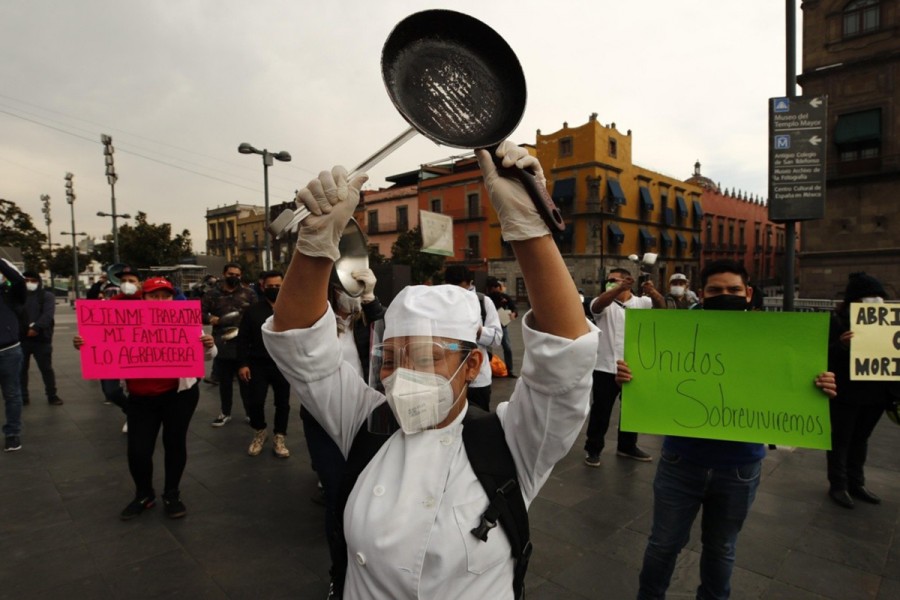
x=690, y=384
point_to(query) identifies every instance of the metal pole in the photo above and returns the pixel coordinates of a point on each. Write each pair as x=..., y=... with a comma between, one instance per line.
x=267, y=257
x=112, y=186
x=74, y=251
x=791, y=92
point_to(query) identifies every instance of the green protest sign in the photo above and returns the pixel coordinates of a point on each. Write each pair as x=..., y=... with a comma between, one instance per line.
x=725, y=375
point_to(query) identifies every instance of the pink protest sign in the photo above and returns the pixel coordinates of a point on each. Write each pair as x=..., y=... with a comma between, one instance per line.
x=137, y=339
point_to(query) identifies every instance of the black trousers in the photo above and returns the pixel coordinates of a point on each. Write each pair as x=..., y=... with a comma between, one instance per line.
x=262, y=376
x=851, y=426
x=226, y=371
x=604, y=393
x=43, y=356
x=172, y=412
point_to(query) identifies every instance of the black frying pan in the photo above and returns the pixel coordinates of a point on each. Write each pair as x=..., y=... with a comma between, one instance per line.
x=458, y=83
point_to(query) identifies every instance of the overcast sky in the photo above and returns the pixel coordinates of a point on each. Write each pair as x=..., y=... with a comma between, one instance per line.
x=179, y=84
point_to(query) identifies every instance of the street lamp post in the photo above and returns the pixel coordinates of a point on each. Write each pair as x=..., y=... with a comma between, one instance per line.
x=45, y=199
x=111, y=178
x=70, y=199
x=283, y=156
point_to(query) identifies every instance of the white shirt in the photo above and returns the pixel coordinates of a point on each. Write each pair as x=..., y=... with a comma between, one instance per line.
x=409, y=517
x=611, y=321
x=491, y=335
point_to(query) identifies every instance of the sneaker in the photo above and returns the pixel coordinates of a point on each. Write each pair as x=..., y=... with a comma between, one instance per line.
x=635, y=454
x=13, y=443
x=259, y=440
x=279, y=448
x=55, y=400
x=136, y=507
x=221, y=420
x=125, y=427
x=592, y=460
x=173, y=505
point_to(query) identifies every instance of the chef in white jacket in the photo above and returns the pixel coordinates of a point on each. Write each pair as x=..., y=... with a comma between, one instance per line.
x=409, y=518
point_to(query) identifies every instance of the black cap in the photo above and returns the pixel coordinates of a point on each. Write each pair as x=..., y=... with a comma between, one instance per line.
x=31, y=275
x=126, y=270
x=861, y=285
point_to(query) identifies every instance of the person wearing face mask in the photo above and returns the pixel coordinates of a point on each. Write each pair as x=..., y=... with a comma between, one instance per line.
x=858, y=407
x=40, y=307
x=12, y=323
x=678, y=296
x=608, y=311
x=258, y=371
x=223, y=307
x=409, y=518
x=721, y=477
x=154, y=404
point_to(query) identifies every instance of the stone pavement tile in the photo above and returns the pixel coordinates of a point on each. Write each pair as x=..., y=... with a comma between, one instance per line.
x=565, y=493
x=889, y=590
x=747, y=584
x=626, y=546
x=88, y=588
x=778, y=519
x=757, y=553
x=547, y=590
x=132, y=545
x=837, y=547
x=778, y=590
x=32, y=542
x=686, y=576
x=173, y=574
x=616, y=510
x=597, y=576
x=39, y=507
x=551, y=555
x=40, y=572
x=799, y=483
x=827, y=578
x=892, y=564
x=581, y=530
x=866, y=523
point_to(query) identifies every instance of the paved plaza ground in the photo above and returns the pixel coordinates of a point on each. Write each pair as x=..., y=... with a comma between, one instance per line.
x=253, y=531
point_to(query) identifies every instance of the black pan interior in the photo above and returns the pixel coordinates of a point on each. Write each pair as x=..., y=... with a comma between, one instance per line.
x=454, y=79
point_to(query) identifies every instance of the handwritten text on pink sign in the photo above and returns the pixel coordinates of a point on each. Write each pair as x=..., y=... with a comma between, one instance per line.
x=133, y=339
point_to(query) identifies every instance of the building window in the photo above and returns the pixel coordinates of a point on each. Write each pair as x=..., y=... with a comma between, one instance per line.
x=436, y=205
x=565, y=146
x=858, y=135
x=861, y=16
x=741, y=239
x=613, y=147
x=372, y=221
x=473, y=250
x=731, y=235
x=402, y=218
x=473, y=205
x=721, y=233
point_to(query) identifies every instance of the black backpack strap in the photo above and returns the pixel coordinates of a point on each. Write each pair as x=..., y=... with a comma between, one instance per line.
x=481, y=306
x=495, y=468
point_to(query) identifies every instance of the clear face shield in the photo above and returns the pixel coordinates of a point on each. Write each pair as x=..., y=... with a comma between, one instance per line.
x=423, y=378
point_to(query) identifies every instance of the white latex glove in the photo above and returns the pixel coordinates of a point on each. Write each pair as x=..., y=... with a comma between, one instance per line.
x=331, y=199
x=367, y=278
x=519, y=219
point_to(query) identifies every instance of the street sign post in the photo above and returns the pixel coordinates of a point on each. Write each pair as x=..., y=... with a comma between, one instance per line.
x=797, y=143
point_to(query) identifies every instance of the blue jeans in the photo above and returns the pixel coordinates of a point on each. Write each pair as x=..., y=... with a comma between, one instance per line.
x=679, y=491
x=10, y=373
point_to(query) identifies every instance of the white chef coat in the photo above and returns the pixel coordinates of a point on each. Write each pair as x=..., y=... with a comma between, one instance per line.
x=611, y=321
x=409, y=518
x=491, y=335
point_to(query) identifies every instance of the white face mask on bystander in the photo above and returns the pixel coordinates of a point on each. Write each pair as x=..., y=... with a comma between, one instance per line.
x=872, y=300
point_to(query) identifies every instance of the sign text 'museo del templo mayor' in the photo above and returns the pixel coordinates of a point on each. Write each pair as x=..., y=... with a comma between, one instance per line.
x=875, y=346
x=727, y=375
x=140, y=339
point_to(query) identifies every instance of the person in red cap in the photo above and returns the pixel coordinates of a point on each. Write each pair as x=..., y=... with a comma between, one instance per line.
x=166, y=403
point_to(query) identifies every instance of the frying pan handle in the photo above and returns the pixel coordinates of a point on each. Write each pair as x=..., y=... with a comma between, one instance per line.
x=538, y=193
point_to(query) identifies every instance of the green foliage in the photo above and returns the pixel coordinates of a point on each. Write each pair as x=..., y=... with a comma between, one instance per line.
x=375, y=256
x=146, y=245
x=407, y=250
x=62, y=265
x=17, y=230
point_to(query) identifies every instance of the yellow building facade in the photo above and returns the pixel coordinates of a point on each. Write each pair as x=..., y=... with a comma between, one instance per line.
x=614, y=209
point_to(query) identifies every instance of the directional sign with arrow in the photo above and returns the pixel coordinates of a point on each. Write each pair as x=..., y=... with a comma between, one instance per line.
x=797, y=143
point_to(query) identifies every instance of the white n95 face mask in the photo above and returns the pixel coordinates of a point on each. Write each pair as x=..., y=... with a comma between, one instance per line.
x=31, y=286
x=128, y=288
x=420, y=400
x=677, y=291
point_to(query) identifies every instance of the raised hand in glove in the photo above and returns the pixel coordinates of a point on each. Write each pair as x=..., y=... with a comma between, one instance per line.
x=519, y=219
x=367, y=278
x=330, y=199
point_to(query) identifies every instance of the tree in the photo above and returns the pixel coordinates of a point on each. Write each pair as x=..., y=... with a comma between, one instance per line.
x=61, y=263
x=375, y=255
x=407, y=250
x=145, y=244
x=17, y=230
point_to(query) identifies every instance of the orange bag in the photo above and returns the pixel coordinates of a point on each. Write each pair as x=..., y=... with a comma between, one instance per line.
x=498, y=367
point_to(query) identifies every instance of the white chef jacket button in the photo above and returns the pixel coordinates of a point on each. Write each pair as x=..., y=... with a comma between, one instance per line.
x=429, y=502
x=378, y=490
x=360, y=558
x=446, y=440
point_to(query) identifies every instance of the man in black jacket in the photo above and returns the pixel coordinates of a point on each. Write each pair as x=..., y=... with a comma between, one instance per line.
x=40, y=307
x=258, y=371
x=12, y=316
